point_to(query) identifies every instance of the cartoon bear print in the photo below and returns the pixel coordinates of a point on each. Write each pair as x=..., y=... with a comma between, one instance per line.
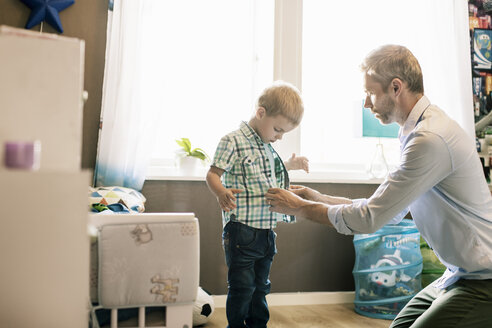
x=165, y=287
x=142, y=234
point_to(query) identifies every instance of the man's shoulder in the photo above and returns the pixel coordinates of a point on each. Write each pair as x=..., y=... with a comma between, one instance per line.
x=425, y=139
x=436, y=122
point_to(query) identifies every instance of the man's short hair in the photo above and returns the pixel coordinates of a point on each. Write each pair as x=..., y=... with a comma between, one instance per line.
x=394, y=61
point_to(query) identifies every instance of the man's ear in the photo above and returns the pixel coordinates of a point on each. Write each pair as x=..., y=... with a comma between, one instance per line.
x=396, y=85
x=260, y=112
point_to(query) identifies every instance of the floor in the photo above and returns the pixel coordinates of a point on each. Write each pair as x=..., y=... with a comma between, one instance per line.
x=305, y=316
x=309, y=316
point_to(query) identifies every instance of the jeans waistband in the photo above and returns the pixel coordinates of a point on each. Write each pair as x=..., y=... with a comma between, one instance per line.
x=249, y=227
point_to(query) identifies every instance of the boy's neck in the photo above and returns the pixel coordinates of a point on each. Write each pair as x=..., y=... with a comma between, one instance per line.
x=252, y=123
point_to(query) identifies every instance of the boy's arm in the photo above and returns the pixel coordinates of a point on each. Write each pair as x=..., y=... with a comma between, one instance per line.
x=213, y=180
x=225, y=196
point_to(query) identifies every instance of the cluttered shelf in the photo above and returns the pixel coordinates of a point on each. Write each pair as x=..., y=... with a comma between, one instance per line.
x=480, y=25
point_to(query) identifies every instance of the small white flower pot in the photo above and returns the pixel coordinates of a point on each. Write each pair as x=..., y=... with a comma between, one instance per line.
x=189, y=165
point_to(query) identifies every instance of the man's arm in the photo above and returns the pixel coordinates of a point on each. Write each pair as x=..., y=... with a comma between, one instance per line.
x=287, y=202
x=316, y=196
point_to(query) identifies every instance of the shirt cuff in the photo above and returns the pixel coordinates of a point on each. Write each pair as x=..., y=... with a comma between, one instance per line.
x=335, y=215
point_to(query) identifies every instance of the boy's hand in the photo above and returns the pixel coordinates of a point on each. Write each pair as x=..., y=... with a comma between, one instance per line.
x=227, y=200
x=297, y=163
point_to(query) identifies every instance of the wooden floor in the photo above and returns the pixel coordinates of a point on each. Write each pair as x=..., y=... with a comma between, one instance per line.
x=305, y=316
x=308, y=316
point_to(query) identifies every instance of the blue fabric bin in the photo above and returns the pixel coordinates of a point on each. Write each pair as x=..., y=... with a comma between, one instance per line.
x=387, y=270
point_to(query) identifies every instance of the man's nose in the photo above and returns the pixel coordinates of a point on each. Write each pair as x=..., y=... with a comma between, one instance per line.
x=368, y=102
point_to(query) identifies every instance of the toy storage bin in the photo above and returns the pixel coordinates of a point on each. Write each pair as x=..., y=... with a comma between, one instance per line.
x=387, y=270
x=432, y=268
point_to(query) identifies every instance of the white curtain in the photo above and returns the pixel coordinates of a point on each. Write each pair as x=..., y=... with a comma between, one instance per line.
x=129, y=112
x=447, y=63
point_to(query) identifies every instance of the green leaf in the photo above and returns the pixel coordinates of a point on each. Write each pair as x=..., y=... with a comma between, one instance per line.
x=198, y=154
x=202, y=152
x=185, y=144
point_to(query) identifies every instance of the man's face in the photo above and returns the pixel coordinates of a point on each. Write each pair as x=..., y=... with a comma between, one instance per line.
x=379, y=101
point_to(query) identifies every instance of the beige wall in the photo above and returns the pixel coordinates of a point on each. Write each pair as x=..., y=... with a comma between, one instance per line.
x=87, y=20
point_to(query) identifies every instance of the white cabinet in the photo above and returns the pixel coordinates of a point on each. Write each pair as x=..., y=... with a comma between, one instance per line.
x=44, y=246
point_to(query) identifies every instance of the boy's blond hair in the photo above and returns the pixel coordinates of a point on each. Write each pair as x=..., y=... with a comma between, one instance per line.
x=282, y=98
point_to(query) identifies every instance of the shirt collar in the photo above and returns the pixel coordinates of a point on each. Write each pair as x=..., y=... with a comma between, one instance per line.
x=249, y=132
x=414, y=116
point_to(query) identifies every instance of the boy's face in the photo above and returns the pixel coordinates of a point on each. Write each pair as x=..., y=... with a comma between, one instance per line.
x=271, y=128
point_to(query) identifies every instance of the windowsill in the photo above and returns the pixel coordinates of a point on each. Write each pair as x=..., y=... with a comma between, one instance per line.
x=332, y=175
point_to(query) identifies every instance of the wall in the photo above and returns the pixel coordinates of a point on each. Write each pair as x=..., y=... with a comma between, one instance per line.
x=310, y=257
x=87, y=20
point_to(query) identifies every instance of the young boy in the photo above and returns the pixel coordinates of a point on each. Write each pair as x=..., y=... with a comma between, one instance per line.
x=249, y=166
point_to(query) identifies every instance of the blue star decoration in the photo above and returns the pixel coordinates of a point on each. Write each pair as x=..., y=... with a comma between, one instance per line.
x=46, y=10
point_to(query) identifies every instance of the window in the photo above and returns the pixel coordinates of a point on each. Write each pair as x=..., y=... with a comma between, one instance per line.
x=334, y=45
x=214, y=57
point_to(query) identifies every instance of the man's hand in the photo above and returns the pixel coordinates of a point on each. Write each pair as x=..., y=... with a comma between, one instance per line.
x=297, y=163
x=284, y=201
x=227, y=200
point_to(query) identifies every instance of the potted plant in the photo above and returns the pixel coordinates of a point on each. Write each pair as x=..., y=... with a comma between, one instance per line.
x=188, y=158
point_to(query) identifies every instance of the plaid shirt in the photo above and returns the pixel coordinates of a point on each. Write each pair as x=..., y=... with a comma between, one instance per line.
x=242, y=155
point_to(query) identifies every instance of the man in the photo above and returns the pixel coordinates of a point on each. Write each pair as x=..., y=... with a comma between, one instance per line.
x=439, y=180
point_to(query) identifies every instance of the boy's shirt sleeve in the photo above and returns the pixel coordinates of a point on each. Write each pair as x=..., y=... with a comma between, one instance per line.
x=225, y=154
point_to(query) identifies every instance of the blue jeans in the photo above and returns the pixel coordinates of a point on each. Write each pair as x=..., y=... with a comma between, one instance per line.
x=249, y=254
